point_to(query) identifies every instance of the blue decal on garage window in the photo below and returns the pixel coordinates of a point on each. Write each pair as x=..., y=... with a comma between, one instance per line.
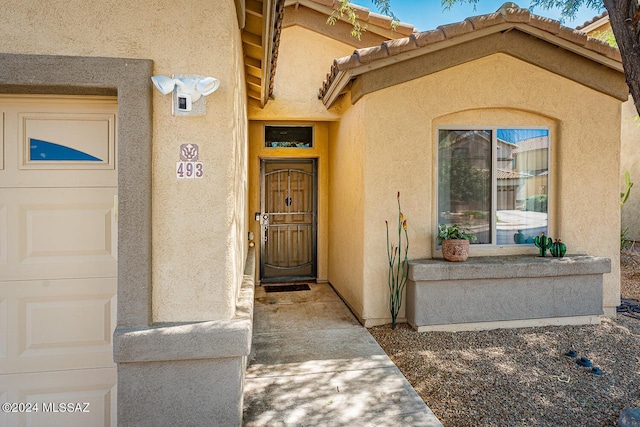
x=48, y=151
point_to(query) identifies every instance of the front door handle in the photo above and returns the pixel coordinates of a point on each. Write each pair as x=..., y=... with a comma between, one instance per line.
x=265, y=226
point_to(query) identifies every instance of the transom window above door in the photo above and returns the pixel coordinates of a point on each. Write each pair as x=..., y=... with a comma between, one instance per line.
x=495, y=181
x=288, y=136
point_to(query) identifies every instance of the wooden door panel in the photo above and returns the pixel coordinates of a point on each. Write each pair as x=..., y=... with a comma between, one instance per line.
x=288, y=238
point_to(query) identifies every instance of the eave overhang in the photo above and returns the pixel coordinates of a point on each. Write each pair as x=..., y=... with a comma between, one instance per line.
x=374, y=22
x=347, y=69
x=260, y=40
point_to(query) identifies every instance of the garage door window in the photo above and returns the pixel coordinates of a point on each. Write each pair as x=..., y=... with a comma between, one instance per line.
x=48, y=151
x=67, y=140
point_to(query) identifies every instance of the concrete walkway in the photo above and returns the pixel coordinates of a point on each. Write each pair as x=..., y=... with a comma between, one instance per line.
x=313, y=364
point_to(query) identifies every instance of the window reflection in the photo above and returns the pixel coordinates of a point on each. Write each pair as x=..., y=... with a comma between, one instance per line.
x=464, y=181
x=502, y=202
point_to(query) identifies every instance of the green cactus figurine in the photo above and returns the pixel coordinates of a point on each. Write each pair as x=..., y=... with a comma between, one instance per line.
x=543, y=243
x=558, y=249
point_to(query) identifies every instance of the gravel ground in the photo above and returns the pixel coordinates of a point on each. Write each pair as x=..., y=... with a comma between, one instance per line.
x=521, y=377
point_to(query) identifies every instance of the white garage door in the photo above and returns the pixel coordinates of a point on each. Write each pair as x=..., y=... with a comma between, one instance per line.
x=58, y=242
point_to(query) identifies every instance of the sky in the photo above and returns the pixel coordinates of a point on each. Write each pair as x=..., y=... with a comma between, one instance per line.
x=428, y=14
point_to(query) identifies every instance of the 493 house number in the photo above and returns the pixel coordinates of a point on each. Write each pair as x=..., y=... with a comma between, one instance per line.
x=189, y=170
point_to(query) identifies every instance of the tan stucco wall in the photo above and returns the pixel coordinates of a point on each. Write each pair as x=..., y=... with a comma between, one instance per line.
x=304, y=58
x=496, y=90
x=630, y=161
x=629, y=156
x=347, y=207
x=198, y=225
x=319, y=151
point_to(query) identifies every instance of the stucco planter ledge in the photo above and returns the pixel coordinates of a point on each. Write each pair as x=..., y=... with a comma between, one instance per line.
x=505, y=292
x=204, y=340
x=186, y=341
x=186, y=374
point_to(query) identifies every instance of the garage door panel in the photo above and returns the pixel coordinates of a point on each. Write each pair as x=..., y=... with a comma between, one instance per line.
x=2, y=138
x=57, y=233
x=77, y=141
x=4, y=230
x=97, y=387
x=4, y=331
x=58, y=257
x=59, y=324
x=77, y=238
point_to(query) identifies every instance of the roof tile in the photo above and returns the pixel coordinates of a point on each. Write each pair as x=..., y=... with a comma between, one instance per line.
x=603, y=48
x=277, y=31
x=484, y=21
x=405, y=29
x=516, y=15
x=368, y=54
x=397, y=46
x=456, y=29
x=428, y=37
x=550, y=25
x=323, y=89
x=577, y=37
x=346, y=62
x=593, y=20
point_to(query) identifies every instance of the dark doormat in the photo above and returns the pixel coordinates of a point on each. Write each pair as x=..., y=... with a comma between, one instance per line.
x=294, y=287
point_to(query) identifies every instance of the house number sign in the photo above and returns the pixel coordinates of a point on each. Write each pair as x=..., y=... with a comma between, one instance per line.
x=189, y=167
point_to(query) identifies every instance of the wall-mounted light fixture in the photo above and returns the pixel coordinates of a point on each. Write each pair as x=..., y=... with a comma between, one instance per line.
x=188, y=92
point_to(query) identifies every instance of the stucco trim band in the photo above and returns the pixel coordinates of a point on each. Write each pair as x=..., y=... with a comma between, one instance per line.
x=188, y=341
x=130, y=79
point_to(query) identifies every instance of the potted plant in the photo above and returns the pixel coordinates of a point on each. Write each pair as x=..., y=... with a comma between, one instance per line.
x=455, y=241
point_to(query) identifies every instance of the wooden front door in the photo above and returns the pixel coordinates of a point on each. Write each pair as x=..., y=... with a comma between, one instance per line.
x=288, y=220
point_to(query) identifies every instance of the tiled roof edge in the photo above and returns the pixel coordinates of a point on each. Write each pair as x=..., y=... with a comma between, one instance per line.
x=593, y=20
x=367, y=16
x=276, y=45
x=508, y=14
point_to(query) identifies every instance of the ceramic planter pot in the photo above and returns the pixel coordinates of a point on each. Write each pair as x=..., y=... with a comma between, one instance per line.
x=455, y=250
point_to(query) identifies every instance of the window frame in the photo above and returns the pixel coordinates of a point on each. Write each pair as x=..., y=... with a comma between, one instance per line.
x=494, y=179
